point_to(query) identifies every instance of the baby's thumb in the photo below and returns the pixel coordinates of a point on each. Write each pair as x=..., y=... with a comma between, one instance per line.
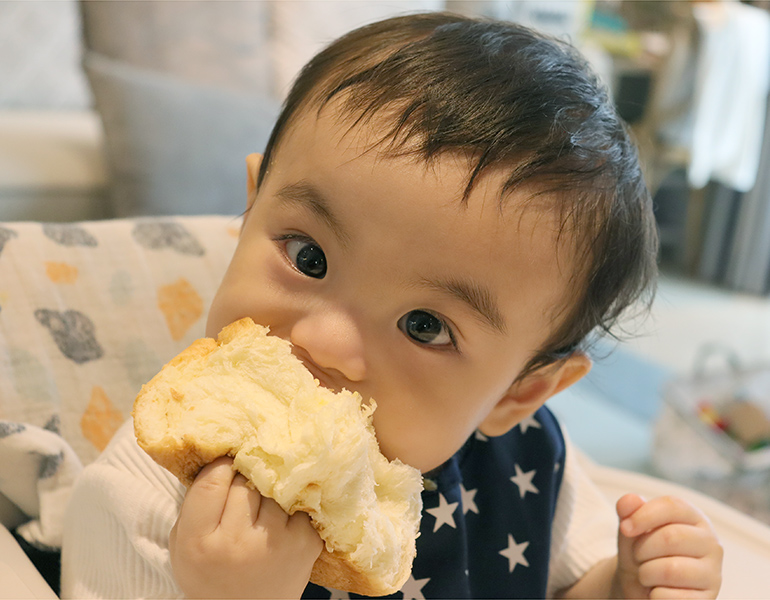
x=625, y=508
x=628, y=505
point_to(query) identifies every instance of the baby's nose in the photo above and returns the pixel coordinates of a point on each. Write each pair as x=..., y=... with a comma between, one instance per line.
x=332, y=341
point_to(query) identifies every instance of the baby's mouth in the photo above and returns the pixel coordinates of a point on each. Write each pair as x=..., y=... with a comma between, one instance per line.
x=323, y=381
x=326, y=379
x=323, y=378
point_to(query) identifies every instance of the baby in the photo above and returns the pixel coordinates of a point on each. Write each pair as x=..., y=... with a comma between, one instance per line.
x=444, y=212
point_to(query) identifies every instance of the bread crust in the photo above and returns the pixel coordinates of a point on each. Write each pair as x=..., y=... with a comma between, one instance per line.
x=184, y=456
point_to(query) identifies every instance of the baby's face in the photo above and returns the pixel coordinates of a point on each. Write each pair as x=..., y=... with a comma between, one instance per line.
x=387, y=285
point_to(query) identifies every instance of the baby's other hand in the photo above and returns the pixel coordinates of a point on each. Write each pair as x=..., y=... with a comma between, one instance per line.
x=229, y=541
x=666, y=549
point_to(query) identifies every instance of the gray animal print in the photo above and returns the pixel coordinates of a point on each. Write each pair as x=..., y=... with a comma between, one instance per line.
x=165, y=234
x=73, y=332
x=68, y=234
x=5, y=236
x=49, y=465
x=54, y=424
x=7, y=428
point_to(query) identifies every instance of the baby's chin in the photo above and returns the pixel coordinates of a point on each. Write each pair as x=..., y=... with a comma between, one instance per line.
x=425, y=462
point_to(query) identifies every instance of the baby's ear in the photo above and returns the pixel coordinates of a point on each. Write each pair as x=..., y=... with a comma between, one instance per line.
x=526, y=395
x=253, y=162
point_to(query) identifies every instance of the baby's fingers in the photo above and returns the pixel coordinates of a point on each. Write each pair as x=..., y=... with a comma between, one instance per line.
x=666, y=593
x=205, y=501
x=675, y=540
x=659, y=512
x=242, y=506
x=686, y=576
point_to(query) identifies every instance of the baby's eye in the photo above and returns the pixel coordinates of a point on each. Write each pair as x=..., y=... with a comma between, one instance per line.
x=426, y=328
x=307, y=256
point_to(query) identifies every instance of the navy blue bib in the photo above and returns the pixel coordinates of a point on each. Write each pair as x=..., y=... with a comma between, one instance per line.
x=487, y=515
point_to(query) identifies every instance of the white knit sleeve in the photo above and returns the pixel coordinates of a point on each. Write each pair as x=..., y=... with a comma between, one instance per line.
x=118, y=520
x=585, y=526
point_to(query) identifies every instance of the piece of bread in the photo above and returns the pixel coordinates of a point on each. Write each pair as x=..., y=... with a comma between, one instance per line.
x=247, y=396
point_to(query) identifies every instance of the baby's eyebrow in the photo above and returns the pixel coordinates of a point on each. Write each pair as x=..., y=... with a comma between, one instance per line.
x=477, y=297
x=305, y=195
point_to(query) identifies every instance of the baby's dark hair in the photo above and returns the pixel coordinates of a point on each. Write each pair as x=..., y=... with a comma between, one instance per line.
x=509, y=99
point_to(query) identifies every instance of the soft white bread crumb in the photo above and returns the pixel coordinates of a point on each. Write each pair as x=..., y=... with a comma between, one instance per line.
x=247, y=396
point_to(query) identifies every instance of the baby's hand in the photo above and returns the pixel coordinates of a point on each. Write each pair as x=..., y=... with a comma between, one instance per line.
x=666, y=549
x=231, y=542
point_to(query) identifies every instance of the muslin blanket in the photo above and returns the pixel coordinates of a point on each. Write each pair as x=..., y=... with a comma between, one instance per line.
x=37, y=471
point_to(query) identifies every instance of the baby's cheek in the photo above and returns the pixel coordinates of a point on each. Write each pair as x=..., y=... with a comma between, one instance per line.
x=424, y=448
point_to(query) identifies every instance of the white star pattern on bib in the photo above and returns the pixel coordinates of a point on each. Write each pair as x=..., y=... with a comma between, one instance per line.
x=530, y=421
x=524, y=481
x=444, y=513
x=515, y=553
x=412, y=589
x=467, y=498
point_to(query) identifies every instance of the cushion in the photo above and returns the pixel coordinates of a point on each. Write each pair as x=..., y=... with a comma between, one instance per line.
x=90, y=311
x=222, y=44
x=176, y=147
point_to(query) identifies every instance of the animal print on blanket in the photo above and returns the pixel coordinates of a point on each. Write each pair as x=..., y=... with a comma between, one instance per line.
x=90, y=311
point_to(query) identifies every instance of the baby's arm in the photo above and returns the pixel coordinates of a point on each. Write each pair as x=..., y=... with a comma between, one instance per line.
x=231, y=542
x=116, y=527
x=666, y=549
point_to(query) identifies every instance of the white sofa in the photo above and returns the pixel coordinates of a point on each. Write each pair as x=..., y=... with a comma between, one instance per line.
x=91, y=310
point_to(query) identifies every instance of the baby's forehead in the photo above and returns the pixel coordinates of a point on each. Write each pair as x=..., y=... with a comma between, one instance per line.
x=380, y=135
x=337, y=125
